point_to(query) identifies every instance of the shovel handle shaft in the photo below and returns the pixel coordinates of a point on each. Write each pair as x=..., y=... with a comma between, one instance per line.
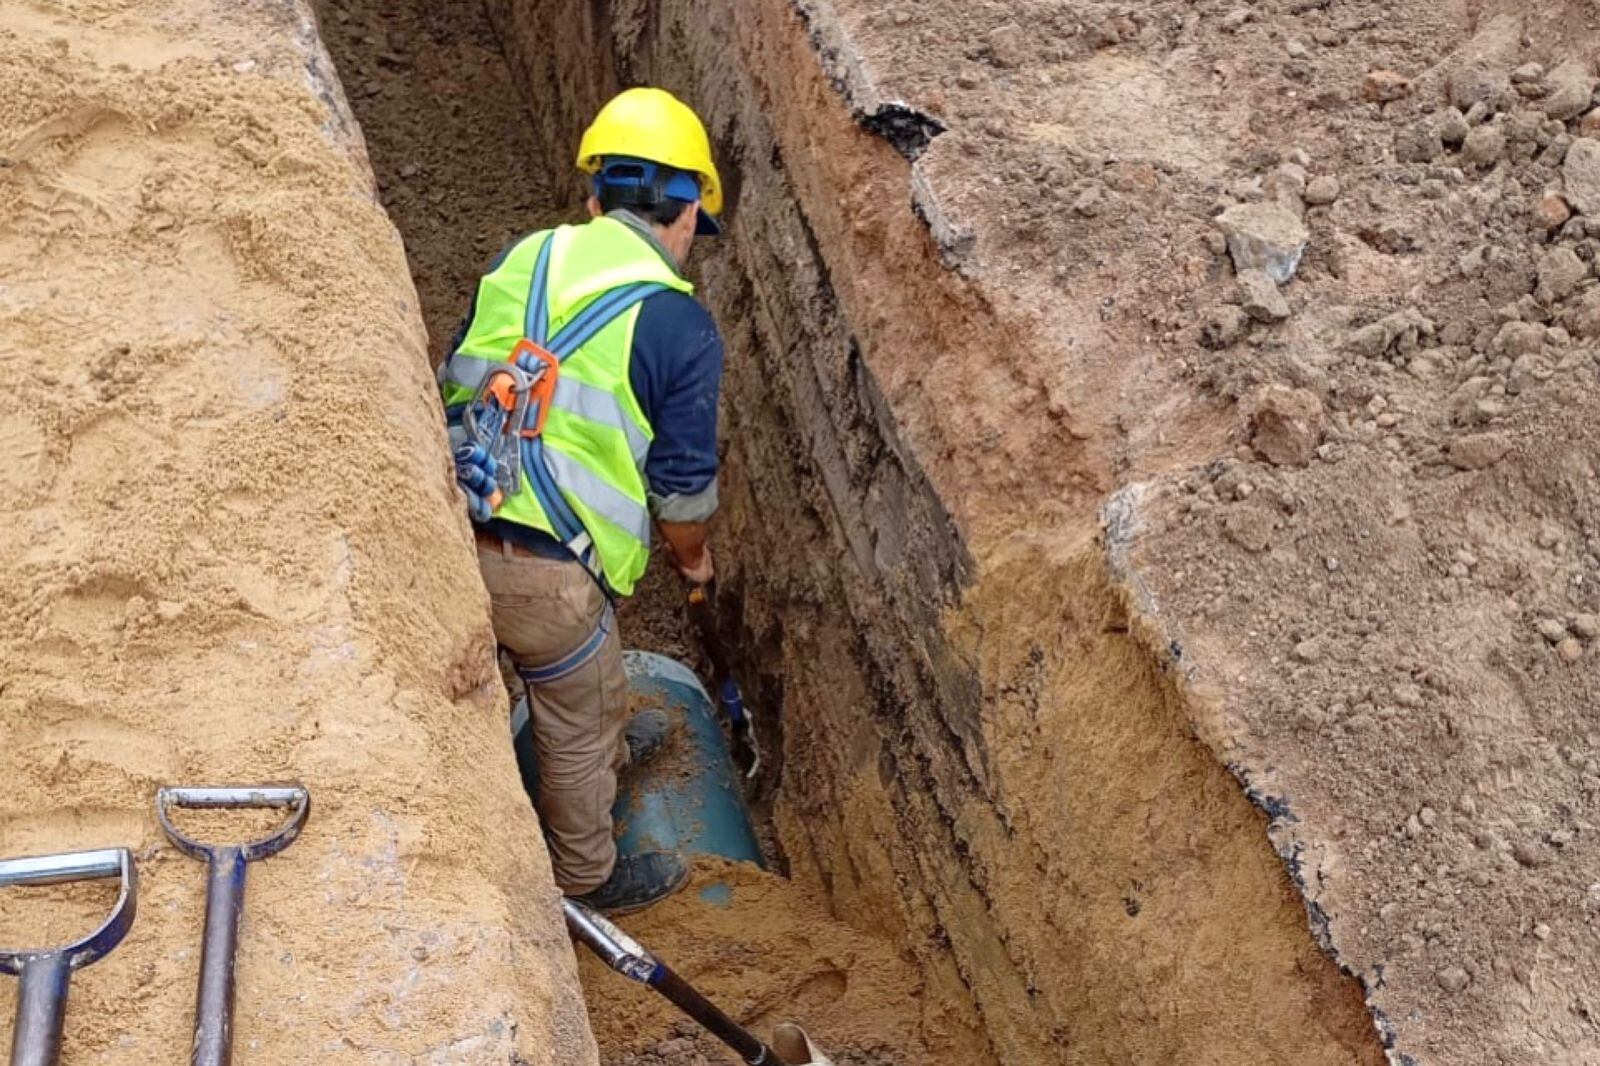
x=630, y=958
x=703, y=615
x=213, y=1021
x=41, y=1006
x=710, y=1016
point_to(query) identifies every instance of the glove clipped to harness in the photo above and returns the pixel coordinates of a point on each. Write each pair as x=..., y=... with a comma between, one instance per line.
x=507, y=414
x=476, y=473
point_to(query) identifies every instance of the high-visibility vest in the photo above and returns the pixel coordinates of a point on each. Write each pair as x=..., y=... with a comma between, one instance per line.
x=595, y=435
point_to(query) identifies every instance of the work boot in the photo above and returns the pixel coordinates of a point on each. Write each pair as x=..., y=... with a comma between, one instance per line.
x=637, y=881
x=646, y=732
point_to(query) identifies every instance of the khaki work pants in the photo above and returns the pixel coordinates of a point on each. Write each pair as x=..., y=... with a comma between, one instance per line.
x=543, y=609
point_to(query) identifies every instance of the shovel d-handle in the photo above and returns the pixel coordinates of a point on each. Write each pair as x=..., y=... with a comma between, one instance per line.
x=213, y=1022
x=46, y=972
x=293, y=798
x=629, y=958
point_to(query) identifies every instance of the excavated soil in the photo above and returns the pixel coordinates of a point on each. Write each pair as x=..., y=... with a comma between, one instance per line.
x=1172, y=665
x=230, y=553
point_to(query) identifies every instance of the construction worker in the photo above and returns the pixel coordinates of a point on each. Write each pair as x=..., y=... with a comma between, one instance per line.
x=628, y=439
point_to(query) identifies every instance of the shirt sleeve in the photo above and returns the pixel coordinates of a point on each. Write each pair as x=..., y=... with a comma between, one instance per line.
x=676, y=374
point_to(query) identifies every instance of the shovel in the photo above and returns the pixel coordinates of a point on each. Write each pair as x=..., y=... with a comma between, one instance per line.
x=42, y=999
x=629, y=958
x=213, y=1019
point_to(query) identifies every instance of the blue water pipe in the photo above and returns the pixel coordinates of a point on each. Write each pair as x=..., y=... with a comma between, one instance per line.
x=690, y=801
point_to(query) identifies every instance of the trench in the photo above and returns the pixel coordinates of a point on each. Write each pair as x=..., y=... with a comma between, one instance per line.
x=1001, y=838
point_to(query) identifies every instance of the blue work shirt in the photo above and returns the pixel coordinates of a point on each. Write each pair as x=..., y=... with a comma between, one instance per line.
x=675, y=369
x=676, y=374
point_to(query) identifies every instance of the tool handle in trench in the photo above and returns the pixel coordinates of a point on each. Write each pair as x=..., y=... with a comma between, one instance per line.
x=710, y=1016
x=41, y=1007
x=703, y=613
x=213, y=1020
x=632, y=960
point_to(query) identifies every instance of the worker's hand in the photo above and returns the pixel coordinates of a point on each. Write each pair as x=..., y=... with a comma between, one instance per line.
x=701, y=571
x=689, y=547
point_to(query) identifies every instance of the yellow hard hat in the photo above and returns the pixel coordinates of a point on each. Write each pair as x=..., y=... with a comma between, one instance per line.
x=655, y=125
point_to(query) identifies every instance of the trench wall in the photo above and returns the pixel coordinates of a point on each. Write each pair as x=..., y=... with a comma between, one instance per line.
x=977, y=754
x=230, y=552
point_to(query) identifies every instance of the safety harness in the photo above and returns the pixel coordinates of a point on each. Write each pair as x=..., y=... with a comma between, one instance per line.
x=506, y=418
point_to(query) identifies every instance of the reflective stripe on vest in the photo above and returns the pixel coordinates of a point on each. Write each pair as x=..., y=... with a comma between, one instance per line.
x=589, y=461
x=571, y=396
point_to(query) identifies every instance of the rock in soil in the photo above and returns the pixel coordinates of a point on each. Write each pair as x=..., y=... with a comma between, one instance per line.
x=1582, y=315
x=1260, y=298
x=1571, y=90
x=1517, y=339
x=1552, y=210
x=1322, y=190
x=1287, y=425
x=1452, y=126
x=1581, y=172
x=1419, y=143
x=1264, y=236
x=1484, y=146
x=1559, y=273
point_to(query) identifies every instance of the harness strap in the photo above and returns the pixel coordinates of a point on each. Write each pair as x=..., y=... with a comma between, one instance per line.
x=577, y=332
x=598, y=315
x=536, y=316
x=535, y=676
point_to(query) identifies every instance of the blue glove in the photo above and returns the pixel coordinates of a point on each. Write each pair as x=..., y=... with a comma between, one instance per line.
x=474, y=479
x=475, y=473
x=476, y=455
x=477, y=507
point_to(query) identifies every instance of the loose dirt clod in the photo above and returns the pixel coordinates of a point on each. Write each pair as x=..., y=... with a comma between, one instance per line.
x=1571, y=90
x=1260, y=298
x=1266, y=237
x=1287, y=425
x=1385, y=86
x=1581, y=172
x=1484, y=146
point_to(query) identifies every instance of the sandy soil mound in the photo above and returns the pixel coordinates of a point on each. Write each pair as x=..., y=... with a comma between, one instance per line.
x=229, y=552
x=766, y=950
